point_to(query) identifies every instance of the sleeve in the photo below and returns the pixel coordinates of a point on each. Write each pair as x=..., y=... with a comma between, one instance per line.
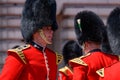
x=80, y=69
x=62, y=77
x=80, y=72
x=12, y=68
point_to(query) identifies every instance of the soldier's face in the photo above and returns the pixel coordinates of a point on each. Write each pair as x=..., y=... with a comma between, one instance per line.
x=48, y=32
x=43, y=36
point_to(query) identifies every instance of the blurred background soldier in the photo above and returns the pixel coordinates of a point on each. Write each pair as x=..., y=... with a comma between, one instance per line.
x=34, y=61
x=88, y=28
x=113, y=28
x=70, y=51
x=105, y=42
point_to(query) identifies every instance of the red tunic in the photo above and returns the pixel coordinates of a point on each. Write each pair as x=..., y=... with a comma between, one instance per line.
x=34, y=69
x=65, y=74
x=85, y=67
x=111, y=73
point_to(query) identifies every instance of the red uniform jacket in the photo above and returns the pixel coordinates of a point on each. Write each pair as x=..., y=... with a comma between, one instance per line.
x=110, y=73
x=15, y=68
x=85, y=67
x=65, y=74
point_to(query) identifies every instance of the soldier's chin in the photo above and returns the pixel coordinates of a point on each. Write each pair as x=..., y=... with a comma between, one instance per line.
x=49, y=41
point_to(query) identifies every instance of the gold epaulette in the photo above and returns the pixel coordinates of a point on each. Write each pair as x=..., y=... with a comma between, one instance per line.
x=63, y=70
x=78, y=61
x=19, y=52
x=100, y=72
x=59, y=58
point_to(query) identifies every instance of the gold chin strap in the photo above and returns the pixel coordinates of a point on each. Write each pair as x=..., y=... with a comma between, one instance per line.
x=44, y=37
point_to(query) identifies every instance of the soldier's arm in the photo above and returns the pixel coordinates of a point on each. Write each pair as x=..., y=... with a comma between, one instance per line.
x=12, y=68
x=80, y=69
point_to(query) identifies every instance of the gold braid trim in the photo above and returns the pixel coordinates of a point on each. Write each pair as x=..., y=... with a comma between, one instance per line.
x=78, y=61
x=44, y=37
x=59, y=58
x=19, y=52
x=63, y=70
x=100, y=72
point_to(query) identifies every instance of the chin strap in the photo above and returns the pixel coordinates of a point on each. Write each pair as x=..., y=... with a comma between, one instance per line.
x=44, y=37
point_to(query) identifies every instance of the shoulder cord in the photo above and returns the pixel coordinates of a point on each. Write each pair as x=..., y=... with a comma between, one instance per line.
x=46, y=63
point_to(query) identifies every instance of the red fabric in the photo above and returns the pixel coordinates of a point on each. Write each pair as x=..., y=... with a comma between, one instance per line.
x=95, y=61
x=67, y=76
x=35, y=69
x=112, y=72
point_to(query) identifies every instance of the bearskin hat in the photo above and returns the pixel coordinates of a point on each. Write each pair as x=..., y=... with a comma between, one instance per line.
x=113, y=29
x=88, y=27
x=36, y=15
x=71, y=50
x=105, y=43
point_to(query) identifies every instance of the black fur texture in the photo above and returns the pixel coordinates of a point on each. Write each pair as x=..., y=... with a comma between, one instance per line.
x=71, y=50
x=105, y=43
x=36, y=15
x=90, y=27
x=113, y=29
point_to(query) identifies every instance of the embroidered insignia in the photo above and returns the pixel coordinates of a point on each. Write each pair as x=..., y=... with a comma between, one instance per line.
x=100, y=72
x=19, y=52
x=59, y=58
x=78, y=61
x=64, y=70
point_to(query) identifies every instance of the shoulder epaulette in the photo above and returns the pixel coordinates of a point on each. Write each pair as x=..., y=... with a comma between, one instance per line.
x=59, y=58
x=78, y=61
x=63, y=70
x=19, y=52
x=100, y=72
